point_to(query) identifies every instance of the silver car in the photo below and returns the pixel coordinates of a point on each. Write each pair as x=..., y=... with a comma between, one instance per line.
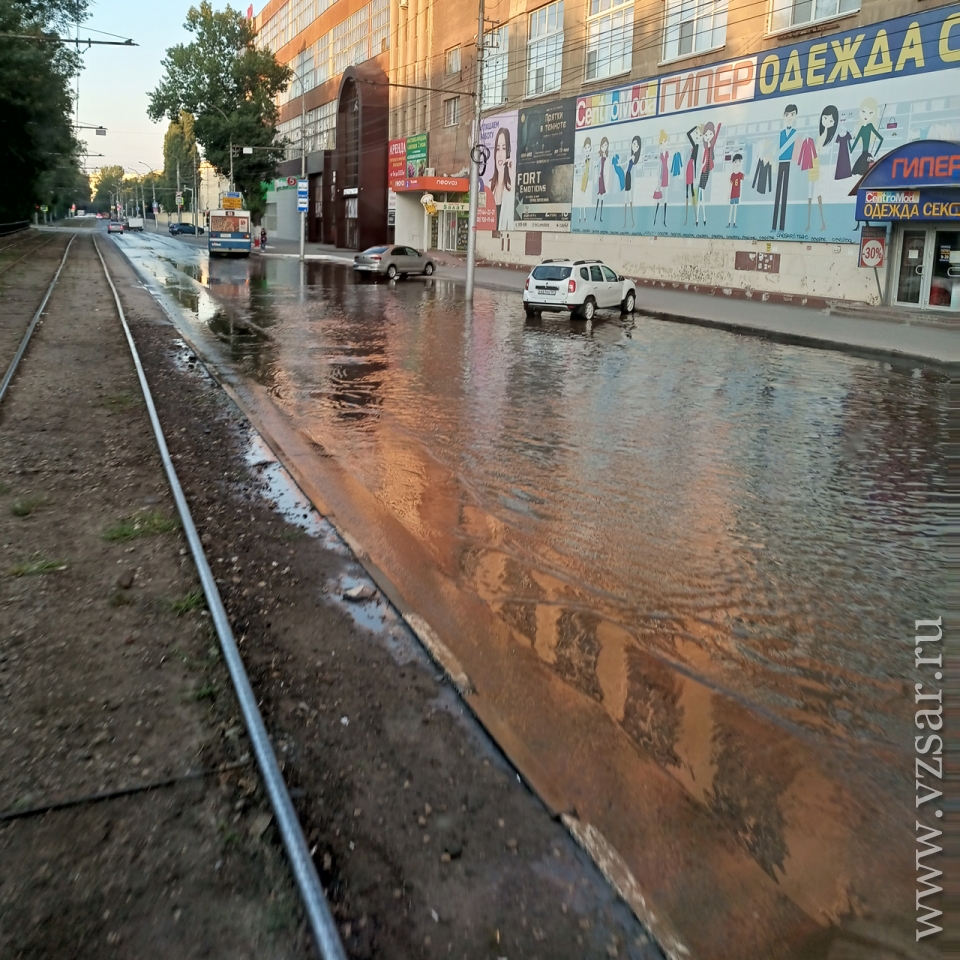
x=393, y=261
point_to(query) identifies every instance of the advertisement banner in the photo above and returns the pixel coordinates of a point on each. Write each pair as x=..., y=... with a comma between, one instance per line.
x=774, y=153
x=396, y=164
x=416, y=156
x=544, y=189
x=498, y=174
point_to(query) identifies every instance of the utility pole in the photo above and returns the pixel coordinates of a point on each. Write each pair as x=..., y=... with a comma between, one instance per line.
x=303, y=161
x=475, y=156
x=195, y=196
x=232, y=188
x=180, y=191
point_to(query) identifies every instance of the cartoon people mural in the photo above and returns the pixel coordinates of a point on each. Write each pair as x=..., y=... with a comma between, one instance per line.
x=585, y=177
x=709, y=145
x=788, y=140
x=736, y=181
x=602, y=155
x=695, y=136
x=663, y=176
x=867, y=136
x=501, y=183
x=829, y=119
x=631, y=178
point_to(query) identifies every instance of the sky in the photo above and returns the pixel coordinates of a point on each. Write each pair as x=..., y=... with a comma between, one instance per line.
x=116, y=82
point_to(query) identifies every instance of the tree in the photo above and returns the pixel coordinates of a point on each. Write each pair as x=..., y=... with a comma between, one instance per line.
x=106, y=181
x=38, y=150
x=179, y=155
x=230, y=87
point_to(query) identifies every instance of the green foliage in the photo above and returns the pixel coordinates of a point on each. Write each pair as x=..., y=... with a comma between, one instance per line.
x=38, y=150
x=140, y=525
x=37, y=565
x=108, y=180
x=194, y=600
x=230, y=87
x=179, y=153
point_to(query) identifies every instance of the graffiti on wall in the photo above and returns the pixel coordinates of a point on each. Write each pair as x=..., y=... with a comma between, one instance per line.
x=767, y=146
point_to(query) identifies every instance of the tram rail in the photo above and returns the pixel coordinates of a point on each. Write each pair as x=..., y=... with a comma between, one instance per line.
x=319, y=916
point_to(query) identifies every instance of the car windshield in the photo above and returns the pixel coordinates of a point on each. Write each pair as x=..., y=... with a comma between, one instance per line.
x=549, y=271
x=375, y=250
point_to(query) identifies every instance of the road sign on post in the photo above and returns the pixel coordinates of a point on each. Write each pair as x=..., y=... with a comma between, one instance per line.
x=303, y=196
x=179, y=199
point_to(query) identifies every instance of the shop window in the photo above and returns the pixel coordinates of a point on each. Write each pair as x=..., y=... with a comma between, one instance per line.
x=453, y=61
x=451, y=112
x=495, y=67
x=694, y=26
x=786, y=14
x=609, y=38
x=545, y=49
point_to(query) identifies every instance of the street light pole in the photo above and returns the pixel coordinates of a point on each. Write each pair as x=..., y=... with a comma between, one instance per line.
x=475, y=156
x=303, y=162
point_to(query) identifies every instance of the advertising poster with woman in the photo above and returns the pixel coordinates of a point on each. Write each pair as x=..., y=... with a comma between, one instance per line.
x=498, y=173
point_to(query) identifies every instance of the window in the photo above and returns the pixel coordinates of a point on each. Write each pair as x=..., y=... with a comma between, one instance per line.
x=546, y=272
x=453, y=61
x=609, y=38
x=595, y=275
x=794, y=13
x=693, y=26
x=451, y=112
x=545, y=49
x=609, y=275
x=495, y=68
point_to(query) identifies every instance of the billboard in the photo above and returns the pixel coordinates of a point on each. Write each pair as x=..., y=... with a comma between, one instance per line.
x=498, y=173
x=396, y=163
x=416, y=156
x=767, y=146
x=544, y=189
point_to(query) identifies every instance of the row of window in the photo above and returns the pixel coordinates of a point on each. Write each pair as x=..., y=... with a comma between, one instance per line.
x=361, y=36
x=289, y=20
x=319, y=130
x=689, y=27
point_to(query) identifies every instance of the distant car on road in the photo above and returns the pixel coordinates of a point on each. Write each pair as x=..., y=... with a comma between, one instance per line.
x=393, y=261
x=114, y=226
x=184, y=228
x=580, y=286
x=134, y=223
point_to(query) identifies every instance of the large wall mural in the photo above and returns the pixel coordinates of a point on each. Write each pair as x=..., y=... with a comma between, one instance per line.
x=768, y=146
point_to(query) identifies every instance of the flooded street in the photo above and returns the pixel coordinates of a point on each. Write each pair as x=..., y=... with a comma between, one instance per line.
x=682, y=567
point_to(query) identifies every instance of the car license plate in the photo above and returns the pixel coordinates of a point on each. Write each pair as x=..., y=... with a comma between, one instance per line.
x=550, y=290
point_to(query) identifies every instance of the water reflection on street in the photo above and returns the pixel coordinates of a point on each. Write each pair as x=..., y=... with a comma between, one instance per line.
x=721, y=541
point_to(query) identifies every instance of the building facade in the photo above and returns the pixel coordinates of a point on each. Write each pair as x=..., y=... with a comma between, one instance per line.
x=717, y=142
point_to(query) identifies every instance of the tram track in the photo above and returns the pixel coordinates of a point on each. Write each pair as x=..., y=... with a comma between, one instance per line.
x=26, y=254
x=298, y=854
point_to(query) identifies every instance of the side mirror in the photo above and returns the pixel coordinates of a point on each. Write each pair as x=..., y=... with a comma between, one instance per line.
x=620, y=278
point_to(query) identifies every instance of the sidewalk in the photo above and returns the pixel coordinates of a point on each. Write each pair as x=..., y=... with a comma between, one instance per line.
x=881, y=333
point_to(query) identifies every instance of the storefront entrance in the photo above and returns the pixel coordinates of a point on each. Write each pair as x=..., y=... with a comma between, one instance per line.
x=927, y=269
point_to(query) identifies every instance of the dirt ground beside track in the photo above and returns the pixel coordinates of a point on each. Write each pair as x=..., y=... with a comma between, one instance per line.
x=426, y=842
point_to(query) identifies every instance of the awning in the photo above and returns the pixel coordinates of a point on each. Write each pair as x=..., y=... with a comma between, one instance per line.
x=916, y=181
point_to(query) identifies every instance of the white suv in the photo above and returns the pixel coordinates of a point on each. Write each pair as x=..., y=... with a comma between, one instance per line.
x=580, y=286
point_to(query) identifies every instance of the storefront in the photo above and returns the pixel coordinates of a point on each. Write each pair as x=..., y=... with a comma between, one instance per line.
x=915, y=191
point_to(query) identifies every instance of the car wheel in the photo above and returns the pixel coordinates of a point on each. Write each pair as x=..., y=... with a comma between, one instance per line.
x=392, y=272
x=589, y=309
x=428, y=270
x=530, y=311
x=629, y=303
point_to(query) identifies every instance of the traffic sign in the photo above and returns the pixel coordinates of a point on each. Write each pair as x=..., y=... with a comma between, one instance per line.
x=303, y=204
x=873, y=244
x=232, y=202
x=303, y=196
x=179, y=199
x=44, y=208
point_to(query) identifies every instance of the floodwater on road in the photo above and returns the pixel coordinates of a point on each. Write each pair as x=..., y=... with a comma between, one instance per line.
x=717, y=543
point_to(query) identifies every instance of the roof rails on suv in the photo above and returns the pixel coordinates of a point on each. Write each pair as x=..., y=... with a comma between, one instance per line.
x=577, y=263
x=556, y=260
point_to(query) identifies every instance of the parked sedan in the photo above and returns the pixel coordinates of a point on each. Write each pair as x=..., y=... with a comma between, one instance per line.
x=178, y=229
x=114, y=226
x=393, y=262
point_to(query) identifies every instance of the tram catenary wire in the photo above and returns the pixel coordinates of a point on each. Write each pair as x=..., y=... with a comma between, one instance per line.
x=315, y=905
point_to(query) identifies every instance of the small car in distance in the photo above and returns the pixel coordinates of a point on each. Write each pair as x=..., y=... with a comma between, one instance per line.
x=392, y=261
x=184, y=229
x=580, y=287
x=114, y=226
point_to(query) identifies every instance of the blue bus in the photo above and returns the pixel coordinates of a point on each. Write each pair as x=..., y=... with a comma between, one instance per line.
x=230, y=232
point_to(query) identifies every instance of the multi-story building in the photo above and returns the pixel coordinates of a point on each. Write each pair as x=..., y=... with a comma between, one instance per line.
x=716, y=142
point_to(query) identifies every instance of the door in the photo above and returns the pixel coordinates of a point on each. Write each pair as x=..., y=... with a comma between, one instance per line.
x=911, y=276
x=945, y=273
x=448, y=230
x=612, y=285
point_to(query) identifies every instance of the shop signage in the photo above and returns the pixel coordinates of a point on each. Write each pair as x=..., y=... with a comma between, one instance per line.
x=544, y=190
x=873, y=243
x=722, y=83
x=450, y=184
x=416, y=151
x=397, y=163
x=617, y=106
x=908, y=205
x=922, y=163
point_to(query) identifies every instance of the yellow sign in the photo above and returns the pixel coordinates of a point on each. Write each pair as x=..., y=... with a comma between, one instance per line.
x=231, y=203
